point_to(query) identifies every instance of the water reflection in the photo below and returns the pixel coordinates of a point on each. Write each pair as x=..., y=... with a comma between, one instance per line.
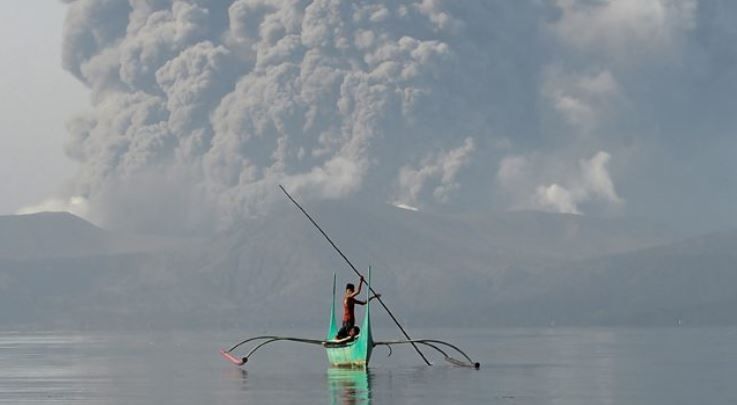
x=349, y=386
x=239, y=375
x=530, y=366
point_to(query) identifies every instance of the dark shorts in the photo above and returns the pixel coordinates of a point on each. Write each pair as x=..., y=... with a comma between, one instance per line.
x=343, y=331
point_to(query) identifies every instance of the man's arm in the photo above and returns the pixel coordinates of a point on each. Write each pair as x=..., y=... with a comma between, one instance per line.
x=359, y=302
x=358, y=291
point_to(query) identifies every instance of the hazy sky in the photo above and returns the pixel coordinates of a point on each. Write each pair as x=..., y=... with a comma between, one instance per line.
x=201, y=107
x=36, y=98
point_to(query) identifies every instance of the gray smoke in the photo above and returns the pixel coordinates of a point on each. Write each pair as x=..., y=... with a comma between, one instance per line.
x=199, y=108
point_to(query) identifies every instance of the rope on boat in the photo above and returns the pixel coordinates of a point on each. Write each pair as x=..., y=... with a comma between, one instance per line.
x=433, y=343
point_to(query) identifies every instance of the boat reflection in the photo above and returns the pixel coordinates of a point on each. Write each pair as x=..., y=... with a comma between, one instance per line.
x=349, y=386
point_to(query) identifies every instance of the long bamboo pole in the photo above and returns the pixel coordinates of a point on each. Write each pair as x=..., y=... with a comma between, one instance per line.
x=404, y=332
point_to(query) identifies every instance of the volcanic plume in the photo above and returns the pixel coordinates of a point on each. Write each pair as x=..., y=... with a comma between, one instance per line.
x=199, y=108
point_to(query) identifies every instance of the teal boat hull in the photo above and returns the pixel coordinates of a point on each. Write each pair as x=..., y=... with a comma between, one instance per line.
x=355, y=354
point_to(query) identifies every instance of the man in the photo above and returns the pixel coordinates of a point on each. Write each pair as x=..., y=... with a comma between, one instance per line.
x=349, y=301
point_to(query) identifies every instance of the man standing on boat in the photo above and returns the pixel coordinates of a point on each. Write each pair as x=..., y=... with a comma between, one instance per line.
x=349, y=301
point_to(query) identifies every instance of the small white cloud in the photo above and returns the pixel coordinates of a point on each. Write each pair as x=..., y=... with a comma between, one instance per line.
x=596, y=179
x=619, y=29
x=536, y=183
x=512, y=169
x=76, y=205
x=557, y=199
x=583, y=100
x=406, y=207
x=441, y=168
x=337, y=178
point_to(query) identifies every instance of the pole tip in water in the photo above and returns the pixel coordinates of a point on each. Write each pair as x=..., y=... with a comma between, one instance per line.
x=476, y=366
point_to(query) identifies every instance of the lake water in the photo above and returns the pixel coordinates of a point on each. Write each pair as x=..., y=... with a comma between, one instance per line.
x=518, y=366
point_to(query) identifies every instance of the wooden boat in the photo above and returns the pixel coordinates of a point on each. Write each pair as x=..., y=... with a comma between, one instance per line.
x=355, y=354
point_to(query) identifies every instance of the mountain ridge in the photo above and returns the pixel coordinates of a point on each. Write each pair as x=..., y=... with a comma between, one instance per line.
x=433, y=269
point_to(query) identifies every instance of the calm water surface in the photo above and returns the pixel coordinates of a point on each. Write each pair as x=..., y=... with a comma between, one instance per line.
x=519, y=366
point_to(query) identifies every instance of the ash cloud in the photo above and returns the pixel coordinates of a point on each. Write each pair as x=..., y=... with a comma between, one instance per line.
x=331, y=98
x=204, y=106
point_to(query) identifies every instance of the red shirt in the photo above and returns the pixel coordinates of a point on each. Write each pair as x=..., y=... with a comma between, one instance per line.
x=348, y=304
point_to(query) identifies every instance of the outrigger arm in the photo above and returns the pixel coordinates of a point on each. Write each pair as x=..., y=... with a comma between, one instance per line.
x=434, y=343
x=264, y=341
x=431, y=343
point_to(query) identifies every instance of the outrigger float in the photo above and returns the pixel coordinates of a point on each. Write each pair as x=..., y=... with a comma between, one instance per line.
x=357, y=352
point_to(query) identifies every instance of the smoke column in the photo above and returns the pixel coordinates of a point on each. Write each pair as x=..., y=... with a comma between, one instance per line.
x=199, y=108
